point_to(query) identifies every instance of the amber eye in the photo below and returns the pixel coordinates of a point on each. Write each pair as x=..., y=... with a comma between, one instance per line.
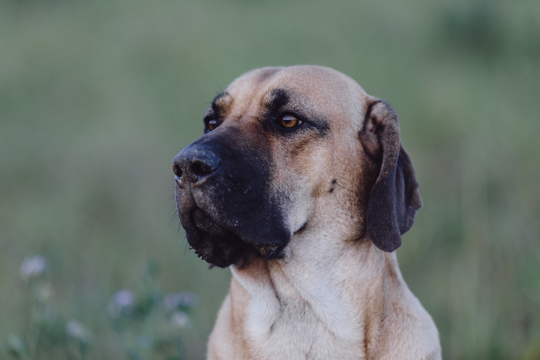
x=212, y=124
x=289, y=121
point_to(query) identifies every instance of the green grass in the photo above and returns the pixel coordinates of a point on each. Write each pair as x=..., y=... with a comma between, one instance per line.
x=97, y=97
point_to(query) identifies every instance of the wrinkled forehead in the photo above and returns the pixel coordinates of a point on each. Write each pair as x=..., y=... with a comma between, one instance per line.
x=323, y=91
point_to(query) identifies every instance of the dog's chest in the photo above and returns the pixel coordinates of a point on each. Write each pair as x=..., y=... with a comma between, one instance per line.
x=299, y=334
x=294, y=321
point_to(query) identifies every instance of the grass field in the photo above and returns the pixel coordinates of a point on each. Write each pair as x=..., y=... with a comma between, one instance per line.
x=97, y=97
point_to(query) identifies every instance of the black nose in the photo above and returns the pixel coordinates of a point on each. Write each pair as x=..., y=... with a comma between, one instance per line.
x=195, y=164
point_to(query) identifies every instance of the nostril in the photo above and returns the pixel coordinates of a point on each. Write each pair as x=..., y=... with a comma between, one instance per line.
x=199, y=168
x=177, y=170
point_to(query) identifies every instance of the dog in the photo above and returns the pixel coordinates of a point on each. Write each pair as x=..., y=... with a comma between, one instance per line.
x=300, y=184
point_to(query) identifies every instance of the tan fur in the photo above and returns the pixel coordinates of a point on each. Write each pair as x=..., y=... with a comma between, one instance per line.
x=332, y=295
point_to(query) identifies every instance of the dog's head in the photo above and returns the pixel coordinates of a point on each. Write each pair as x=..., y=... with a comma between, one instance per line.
x=288, y=152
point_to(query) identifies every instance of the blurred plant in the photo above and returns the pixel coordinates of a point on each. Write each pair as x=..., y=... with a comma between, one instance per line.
x=17, y=347
x=33, y=267
x=121, y=303
x=149, y=323
x=80, y=337
x=182, y=300
x=45, y=333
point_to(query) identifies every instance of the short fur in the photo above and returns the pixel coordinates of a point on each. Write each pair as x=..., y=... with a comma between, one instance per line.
x=307, y=218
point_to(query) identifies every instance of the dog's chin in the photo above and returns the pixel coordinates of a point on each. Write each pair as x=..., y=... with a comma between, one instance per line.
x=220, y=251
x=219, y=246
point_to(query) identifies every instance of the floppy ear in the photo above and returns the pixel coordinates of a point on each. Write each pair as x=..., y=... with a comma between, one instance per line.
x=394, y=198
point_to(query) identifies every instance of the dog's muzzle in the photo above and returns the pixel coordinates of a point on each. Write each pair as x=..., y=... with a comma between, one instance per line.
x=223, y=202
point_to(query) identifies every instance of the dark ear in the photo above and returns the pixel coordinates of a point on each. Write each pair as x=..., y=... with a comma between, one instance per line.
x=394, y=197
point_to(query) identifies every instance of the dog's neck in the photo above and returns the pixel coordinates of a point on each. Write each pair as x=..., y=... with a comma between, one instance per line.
x=343, y=287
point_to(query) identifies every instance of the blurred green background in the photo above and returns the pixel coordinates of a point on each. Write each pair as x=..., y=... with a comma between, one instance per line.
x=97, y=97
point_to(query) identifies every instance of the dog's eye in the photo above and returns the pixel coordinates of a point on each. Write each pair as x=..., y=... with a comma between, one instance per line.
x=289, y=121
x=212, y=124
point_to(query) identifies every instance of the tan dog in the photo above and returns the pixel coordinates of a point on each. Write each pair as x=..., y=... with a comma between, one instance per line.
x=301, y=185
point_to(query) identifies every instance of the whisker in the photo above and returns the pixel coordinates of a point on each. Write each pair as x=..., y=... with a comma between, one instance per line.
x=220, y=88
x=178, y=230
x=174, y=210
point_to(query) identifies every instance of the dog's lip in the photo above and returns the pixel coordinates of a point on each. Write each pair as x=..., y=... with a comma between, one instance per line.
x=269, y=252
x=300, y=228
x=265, y=251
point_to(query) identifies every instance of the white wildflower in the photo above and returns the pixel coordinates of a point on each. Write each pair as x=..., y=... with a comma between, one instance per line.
x=121, y=302
x=180, y=319
x=78, y=331
x=33, y=267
